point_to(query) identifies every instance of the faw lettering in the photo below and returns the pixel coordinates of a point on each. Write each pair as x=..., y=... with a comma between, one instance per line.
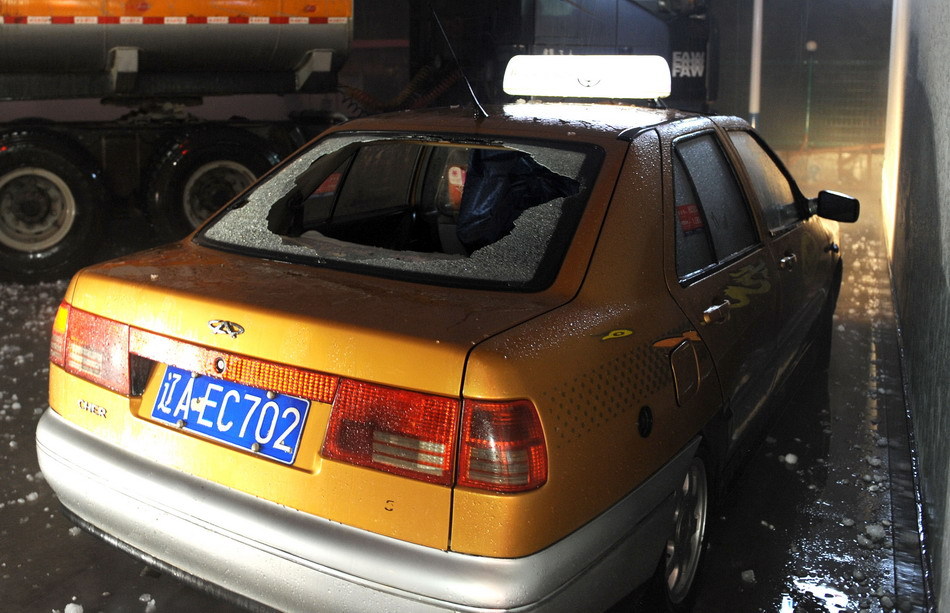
x=688, y=64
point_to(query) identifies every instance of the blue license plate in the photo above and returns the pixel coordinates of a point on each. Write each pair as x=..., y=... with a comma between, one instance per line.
x=265, y=423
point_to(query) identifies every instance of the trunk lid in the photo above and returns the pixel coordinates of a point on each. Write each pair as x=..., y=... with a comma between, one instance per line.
x=352, y=327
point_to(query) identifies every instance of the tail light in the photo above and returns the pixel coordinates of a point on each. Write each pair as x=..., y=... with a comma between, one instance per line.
x=414, y=435
x=57, y=345
x=396, y=431
x=503, y=448
x=91, y=347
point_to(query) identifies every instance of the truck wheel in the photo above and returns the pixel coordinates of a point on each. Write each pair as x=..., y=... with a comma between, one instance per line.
x=49, y=207
x=199, y=173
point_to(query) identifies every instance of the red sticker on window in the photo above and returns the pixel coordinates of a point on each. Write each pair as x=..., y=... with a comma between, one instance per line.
x=689, y=217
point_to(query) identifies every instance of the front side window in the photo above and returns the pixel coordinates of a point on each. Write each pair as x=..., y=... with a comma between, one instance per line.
x=497, y=214
x=771, y=186
x=712, y=220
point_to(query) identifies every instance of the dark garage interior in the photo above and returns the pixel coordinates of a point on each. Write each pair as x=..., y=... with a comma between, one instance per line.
x=843, y=506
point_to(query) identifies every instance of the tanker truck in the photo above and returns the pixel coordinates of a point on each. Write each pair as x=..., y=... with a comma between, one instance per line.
x=60, y=180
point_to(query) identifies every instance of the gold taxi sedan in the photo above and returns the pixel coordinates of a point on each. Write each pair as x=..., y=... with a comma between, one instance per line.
x=445, y=362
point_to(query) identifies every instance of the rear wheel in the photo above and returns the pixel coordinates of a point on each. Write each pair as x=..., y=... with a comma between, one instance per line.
x=679, y=567
x=49, y=207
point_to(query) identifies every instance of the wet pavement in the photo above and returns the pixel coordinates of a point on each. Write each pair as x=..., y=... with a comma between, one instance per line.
x=822, y=516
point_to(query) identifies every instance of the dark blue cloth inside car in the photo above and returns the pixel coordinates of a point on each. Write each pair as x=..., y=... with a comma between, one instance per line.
x=499, y=186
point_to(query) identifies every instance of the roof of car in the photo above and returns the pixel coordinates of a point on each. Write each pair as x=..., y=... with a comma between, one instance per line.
x=591, y=122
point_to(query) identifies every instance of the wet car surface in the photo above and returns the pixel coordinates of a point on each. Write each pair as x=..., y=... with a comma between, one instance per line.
x=718, y=328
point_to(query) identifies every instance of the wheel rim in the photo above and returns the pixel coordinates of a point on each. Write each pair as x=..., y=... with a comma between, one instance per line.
x=37, y=209
x=211, y=186
x=684, y=548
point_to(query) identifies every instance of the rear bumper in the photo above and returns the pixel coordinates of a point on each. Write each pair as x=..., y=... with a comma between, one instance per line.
x=288, y=560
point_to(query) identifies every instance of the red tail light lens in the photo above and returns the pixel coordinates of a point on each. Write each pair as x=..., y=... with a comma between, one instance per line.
x=396, y=431
x=230, y=367
x=57, y=345
x=413, y=435
x=91, y=347
x=503, y=448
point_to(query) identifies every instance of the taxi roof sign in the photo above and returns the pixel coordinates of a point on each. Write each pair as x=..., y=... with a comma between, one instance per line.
x=633, y=77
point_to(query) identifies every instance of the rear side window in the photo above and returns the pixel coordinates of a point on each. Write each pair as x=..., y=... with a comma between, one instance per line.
x=712, y=220
x=771, y=186
x=497, y=215
x=694, y=249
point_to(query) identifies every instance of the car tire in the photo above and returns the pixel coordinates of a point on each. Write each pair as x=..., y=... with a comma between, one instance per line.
x=198, y=173
x=678, y=570
x=51, y=200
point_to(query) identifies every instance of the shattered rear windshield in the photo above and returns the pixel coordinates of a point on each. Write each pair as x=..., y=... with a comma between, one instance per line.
x=492, y=214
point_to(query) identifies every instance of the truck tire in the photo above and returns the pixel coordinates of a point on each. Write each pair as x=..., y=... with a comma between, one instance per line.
x=50, y=206
x=200, y=172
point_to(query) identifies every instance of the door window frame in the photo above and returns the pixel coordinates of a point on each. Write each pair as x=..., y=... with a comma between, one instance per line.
x=804, y=205
x=729, y=157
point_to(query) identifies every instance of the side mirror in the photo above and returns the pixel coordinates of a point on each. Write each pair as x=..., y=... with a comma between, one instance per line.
x=837, y=207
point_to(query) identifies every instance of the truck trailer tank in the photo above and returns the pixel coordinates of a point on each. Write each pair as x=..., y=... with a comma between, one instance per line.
x=68, y=49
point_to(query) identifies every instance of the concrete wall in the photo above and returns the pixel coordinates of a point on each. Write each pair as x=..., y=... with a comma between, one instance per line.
x=847, y=70
x=921, y=259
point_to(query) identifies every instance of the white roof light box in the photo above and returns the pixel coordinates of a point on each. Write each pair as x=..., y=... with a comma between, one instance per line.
x=626, y=77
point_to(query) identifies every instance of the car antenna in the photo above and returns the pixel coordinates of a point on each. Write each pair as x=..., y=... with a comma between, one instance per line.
x=479, y=109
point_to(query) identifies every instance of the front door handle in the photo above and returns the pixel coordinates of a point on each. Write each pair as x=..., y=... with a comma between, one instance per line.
x=716, y=314
x=788, y=262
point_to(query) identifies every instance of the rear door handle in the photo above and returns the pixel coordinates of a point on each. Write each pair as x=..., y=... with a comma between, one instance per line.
x=716, y=314
x=788, y=262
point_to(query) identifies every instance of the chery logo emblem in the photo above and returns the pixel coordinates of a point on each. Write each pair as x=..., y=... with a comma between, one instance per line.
x=221, y=326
